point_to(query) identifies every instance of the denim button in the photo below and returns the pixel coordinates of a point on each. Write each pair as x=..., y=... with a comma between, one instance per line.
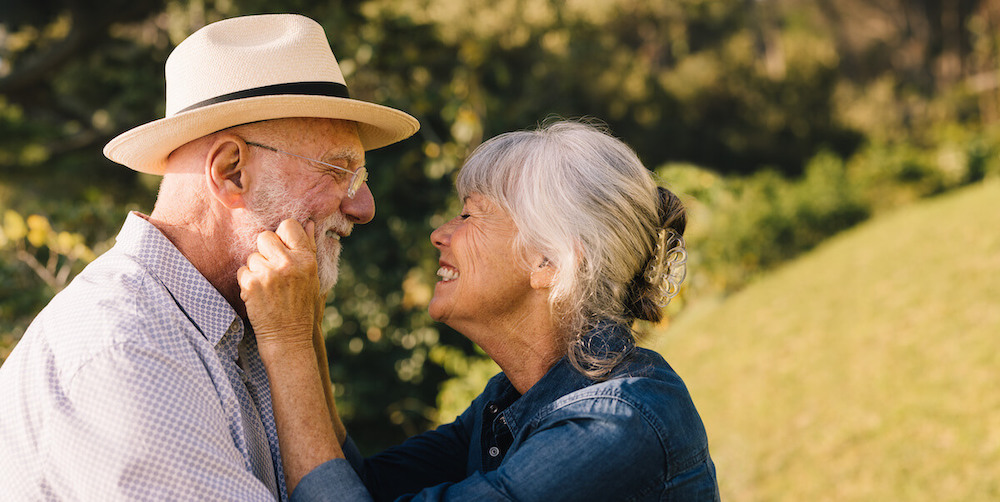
x=494, y=451
x=492, y=408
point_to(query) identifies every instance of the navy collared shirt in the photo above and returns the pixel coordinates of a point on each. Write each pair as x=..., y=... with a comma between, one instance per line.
x=636, y=436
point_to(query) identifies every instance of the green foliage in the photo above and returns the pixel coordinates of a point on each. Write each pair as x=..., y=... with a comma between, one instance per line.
x=741, y=227
x=864, y=370
x=894, y=173
x=467, y=377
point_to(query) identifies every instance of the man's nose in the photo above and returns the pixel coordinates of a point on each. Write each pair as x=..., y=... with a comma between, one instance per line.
x=361, y=208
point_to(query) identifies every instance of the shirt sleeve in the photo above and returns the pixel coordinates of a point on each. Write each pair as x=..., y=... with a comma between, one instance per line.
x=139, y=424
x=427, y=459
x=334, y=480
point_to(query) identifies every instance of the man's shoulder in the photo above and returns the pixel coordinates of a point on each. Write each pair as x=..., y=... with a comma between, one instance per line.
x=114, y=302
x=113, y=290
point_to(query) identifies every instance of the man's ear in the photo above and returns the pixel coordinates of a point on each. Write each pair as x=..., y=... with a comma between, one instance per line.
x=226, y=171
x=542, y=273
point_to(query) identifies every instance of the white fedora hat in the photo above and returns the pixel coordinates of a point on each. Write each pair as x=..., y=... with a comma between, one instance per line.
x=248, y=69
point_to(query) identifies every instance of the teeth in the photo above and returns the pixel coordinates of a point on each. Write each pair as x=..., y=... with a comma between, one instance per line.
x=448, y=274
x=333, y=235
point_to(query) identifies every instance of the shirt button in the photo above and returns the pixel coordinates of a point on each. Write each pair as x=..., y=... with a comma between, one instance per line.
x=494, y=451
x=492, y=408
x=502, y=419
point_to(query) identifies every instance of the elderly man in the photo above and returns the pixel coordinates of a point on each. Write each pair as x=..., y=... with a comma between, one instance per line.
x=142, y=378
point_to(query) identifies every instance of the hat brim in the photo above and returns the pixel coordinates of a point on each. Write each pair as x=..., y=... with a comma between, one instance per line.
x=145, y=148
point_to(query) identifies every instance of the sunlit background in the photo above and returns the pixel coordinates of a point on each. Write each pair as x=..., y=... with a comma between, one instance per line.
x=839, y=158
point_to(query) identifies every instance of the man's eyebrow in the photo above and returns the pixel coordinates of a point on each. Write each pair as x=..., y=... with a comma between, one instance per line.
x=345, y=153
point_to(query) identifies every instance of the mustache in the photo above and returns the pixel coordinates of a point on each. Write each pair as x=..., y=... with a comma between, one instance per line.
x=336, y=222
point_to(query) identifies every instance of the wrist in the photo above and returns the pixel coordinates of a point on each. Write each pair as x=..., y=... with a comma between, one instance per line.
x=284, y=348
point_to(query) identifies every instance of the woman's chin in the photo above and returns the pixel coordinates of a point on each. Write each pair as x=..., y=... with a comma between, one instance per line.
x=436, y=310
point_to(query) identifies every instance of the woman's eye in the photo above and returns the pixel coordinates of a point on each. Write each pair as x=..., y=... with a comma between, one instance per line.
x=464, y=215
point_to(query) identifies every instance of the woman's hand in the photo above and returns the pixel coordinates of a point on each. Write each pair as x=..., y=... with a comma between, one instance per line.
x=280, y=286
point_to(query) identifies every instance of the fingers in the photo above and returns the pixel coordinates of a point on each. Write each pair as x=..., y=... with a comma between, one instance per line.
x=295, y=237
x=243, y=279
x=283, y=266
x=289, y=237
x=270, y=247
x=248, y=281
x=284, y=259
x=250, y=275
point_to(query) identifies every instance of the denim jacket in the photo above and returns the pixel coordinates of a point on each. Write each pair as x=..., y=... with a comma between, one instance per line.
x=635, y=436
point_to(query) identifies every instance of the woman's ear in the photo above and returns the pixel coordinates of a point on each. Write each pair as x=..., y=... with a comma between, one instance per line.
x=226, y=171
x=542, y=274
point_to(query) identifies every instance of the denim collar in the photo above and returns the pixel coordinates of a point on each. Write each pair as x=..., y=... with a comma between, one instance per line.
x=562, y=378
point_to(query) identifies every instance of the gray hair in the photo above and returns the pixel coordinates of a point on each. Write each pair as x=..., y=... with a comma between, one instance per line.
x=584, y=200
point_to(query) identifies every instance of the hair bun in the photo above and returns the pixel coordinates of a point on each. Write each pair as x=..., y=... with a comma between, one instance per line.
x=660, y=279
x=672, y=213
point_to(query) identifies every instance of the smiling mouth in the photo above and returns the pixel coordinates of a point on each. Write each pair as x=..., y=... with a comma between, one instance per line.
x=447, y=274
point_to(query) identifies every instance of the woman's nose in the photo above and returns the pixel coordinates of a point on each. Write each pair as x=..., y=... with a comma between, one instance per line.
x=441, y=236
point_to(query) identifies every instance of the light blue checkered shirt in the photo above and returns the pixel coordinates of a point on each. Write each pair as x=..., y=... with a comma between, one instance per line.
x=136, y=383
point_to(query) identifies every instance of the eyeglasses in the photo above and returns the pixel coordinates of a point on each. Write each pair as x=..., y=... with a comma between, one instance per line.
x=358, y=177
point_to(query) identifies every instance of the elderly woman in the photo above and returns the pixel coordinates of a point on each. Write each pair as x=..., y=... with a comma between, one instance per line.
x=564, y=240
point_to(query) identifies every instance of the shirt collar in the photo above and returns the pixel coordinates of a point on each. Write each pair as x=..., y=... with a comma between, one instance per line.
x=194, y=295
x=563, y=378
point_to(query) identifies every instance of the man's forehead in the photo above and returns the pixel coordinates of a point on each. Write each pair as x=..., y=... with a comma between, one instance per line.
x=335, y=138
x=296, y=126
x=345, y=142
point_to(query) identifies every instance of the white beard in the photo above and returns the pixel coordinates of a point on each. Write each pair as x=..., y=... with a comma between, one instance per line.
x=270, y=204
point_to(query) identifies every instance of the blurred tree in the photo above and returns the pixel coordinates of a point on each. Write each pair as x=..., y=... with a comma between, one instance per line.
x=57, y=80
x=926, y=42
x=680, y=80
x=984, y=68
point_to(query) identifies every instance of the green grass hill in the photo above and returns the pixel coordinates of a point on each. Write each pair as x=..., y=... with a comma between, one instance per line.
x=867, y=370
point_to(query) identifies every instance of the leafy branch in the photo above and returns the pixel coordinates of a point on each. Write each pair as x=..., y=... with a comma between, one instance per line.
x=51, y=255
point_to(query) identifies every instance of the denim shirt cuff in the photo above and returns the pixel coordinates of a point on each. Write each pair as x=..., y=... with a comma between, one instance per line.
x=353, y=455
x=332, y=480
